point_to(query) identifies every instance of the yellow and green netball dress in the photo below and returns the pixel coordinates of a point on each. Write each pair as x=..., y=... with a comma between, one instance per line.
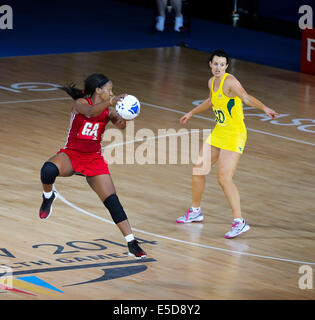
x=230, y=131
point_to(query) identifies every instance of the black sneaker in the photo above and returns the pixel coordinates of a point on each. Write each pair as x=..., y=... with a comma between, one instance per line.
x=135, y=250
x=46, y=207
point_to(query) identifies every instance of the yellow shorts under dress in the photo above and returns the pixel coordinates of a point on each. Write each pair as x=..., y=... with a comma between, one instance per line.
x=227, y=140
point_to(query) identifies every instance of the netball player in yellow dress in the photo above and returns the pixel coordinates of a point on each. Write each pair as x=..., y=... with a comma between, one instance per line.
x=226, y=142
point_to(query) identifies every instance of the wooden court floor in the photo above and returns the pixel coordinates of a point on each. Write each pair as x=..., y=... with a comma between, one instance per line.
x=78, y=254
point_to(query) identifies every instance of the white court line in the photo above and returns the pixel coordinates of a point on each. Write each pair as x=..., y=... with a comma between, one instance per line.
x=183, y=241
x=174, y=239
x=164, y=237
x=175, y=111
x=34, y=100
x=249, y=129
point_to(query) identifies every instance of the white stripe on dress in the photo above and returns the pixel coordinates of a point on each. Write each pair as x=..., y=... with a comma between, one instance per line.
x=70, y=127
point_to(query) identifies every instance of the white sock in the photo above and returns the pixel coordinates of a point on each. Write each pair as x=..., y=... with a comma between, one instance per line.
x=195, y=209
x=129, y=237
x=47, y=195
x=241, y=220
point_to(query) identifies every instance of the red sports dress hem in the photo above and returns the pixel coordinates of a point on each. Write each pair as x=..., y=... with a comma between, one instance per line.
x=87, y=164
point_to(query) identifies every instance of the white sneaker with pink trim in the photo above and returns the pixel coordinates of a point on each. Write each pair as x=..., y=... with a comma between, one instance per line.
x=190, y=216
x=237, y=229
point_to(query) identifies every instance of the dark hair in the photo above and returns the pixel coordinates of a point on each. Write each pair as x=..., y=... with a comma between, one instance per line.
x=219, y=53
x=93, y=81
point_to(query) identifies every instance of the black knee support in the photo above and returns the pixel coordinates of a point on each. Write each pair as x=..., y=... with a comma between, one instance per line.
x=115, y=208
x=48, y=173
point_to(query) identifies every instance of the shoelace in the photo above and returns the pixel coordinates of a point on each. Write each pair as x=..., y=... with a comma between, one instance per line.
x=187, y=213
x=236, y=225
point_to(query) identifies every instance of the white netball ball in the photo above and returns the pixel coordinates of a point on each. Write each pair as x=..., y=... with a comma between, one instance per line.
x=128, y=107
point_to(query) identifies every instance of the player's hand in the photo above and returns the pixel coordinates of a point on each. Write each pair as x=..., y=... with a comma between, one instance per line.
x=271, y=113
x=185, y=118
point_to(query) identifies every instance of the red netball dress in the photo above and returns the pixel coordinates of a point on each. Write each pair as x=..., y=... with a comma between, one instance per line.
x=83, y=145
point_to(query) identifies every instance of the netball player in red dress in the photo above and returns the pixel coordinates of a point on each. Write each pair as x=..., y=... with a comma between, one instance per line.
x=82, y=153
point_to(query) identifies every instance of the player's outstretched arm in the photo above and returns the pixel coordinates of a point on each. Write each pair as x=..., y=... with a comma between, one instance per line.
x=237, y=89
x=205, y=105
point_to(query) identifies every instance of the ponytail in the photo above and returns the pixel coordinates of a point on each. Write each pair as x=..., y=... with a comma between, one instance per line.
x=72, y=91
x=95, y=80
